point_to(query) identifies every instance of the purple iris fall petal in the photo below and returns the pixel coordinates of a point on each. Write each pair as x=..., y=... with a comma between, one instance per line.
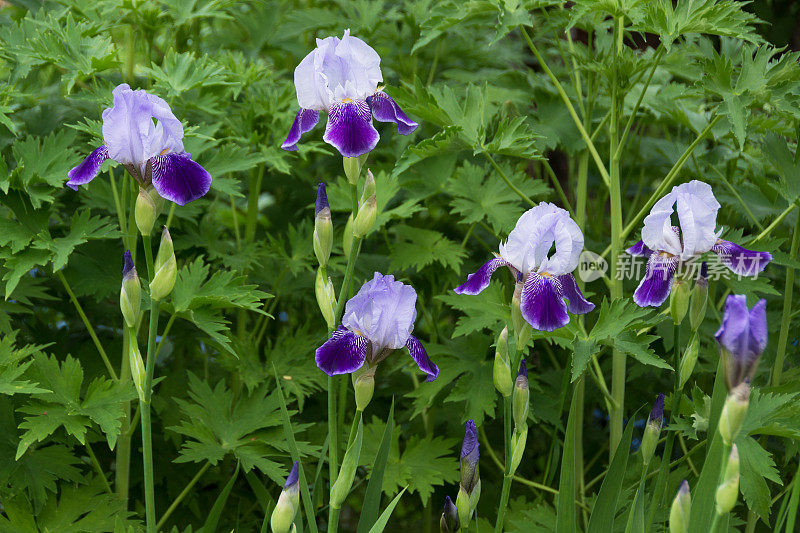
x=740, y=260
x=385, y=109
x=420, y=357
x=179, y=179
x=743, y=337
x=87, y=169
x=343, y=353
x=542, y=303
x=654, y=288
x=640, y=249
x=350, y=128
x=304, y=122
x=578, y=305
x=480, y=279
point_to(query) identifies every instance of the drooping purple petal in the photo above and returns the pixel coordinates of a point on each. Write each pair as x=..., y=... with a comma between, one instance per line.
x=542, y=303
x=179, y=179
x=88, y=169
x=304, y=122
x=343, y=353
x=420, y=357
x=385, y=109
x=350, y=128
x=578, y=305
x=640, y=249
x=480, y=279
x=654, y=288
x=740, y=260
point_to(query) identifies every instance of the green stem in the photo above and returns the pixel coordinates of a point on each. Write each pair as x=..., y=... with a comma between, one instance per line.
x=148, y=256
x=557, y=185
x=122, y=478
x=560, y=89
x=775, y=223
x=639, y=490
x=786, y=314
x=507, y=180
x=144, y=409
x=726, y=451
x=182, y=495
x=97, y=467
x=501, y=511
x=627, y=129
x=252, y=205
x=85, y=319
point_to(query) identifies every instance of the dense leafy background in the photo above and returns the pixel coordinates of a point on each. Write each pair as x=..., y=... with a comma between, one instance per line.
x=244, y=301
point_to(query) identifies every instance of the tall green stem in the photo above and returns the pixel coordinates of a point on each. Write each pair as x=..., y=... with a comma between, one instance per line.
x=144, y=403
x=786, y=314
x=615, y=197
x=507, y=476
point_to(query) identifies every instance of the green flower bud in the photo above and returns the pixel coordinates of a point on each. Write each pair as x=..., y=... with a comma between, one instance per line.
x=137, y=366
x=366, y=216
x=148, y=207
x=282, y=519
x=681, y=509
x=130, y=293
x=733, y=412
x=323, y=227
x=364, y=385
x=679, y=300
x=518, y=441
x=341, y=488
x=521, y=399
x=728, y=490
x=501, y=371
x=522, y=330
x=689, y=359
x=463, y=506
x=347, y=237
x=697, y=311
x=326, y=297
x=352, y=169
x=449, y=522
x=166, y=268
x=652, y=430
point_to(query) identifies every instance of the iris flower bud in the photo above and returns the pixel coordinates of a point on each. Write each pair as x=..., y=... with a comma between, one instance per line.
x=742, y=338
x=733, y=412
x=501, y=371
x=341, y=488
x=689, y=359
x=166, y=268
x=323, y=227
x=130, y=292
x=697, y=311
x=364, y=385
x=326, y=297
x=652, y=430
x=368, y=208
x=449, y=522
x=522, y=330
x=282, y=518
x=518, y=441
x=352, y=168
x=679, y=300
x=148, y=207
x=728, y=490
x=521, y=399
x=347, y=237
x=137, y=366
x=470, y=486
x=681, y=509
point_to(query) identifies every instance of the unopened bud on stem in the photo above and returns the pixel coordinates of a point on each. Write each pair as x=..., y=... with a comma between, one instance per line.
x=679, y=300
x=728, y=490
x=449, y=522
x=652, y=430
x=326, y=296
x=521, y=399
x=733, y=412
x=130, y=292
x=137, y=366
x=323, y=227
x=681, y=509
x=147, y=208
x=364, y=385
x=501, y=372
x=166, y=268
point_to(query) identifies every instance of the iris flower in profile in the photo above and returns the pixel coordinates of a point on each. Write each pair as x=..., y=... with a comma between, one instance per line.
x=377, y=321
x=665, y=245
x=547, y=278
x=141, y=133
x=342, y=77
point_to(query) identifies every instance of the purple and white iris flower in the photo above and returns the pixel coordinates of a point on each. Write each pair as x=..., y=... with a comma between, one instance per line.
x=546, y=277
x=742, y=338
x=666, y=245
x=377, y=320
x=342, y=77
x=152, y=152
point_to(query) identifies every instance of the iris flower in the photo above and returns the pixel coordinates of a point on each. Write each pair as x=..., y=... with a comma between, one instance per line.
x=152, y=152
x=547, y=277
x=342, y=77
x=377, y=320
x=666, y=245
x=742, y=338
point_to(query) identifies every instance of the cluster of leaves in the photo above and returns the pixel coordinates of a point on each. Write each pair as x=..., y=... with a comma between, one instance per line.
x=495, y=137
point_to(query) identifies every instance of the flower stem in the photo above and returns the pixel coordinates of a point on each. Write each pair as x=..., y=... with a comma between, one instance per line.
x=144, y=409
x=507, y=180
x=182, y=495
x=786, y=314
x=501, y=509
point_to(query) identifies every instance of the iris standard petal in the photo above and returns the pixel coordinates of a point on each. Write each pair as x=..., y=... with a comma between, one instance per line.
x=420, y=357
x=383, y=311
x=304, y=122
x=343, y=353
x=654, y=288
x=640, y=249
x=740, y=260
x=179, y=179
x=385, y=109
x=697, y=212
x=542, y=303
x=578, y=305
x=88, y=169
x=480, y=279
x=350, y=128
